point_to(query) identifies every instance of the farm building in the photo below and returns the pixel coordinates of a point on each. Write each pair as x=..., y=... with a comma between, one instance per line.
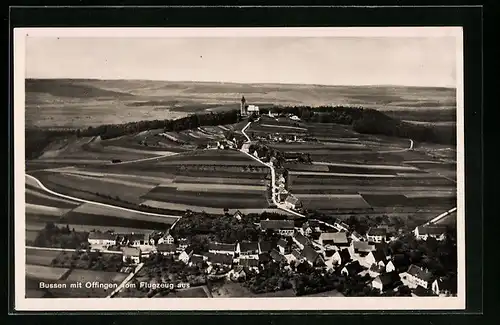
x=300, y=240
x=131, y=255
x=248, y=249
x=361, y=247
x=341, y=257
x=398, y=263
x=284, y=246
x=101, y=239
x=386, y=281
x=312, y=257
x=166, y=249
x=265, y=247
x=220, y=248
x=283, y=227
x=219, y=259
x=334, y=238
x=437, y=232
x=351, y=269
x=376, y=235
x=417, y=276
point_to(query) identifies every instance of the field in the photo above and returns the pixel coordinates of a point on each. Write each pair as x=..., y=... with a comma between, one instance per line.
x=45, y=273
x=40, y=257
x=60, y=102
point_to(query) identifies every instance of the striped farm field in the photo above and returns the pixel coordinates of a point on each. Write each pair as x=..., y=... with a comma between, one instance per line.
x=31, y=235
x=248, y=162
x=99, y=210
x=306, y=167
x=216, y=211
x=214, y=200
x=40, y=256
x=37, y=197
x=45, y=272
x=45, y=210
x=78, y=185
x=337, y=201
x=219, y=180
x=394, y=200
x=208, y=187
x=431, y=182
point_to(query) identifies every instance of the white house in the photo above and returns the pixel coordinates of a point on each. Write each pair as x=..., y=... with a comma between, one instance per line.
x=376, y=235
x=376, y=257
x=444, y=286
x=386, y=281
x=251, y=109
x=294, y=118
x=437, y=232
x=416, y=276
x=220, y=248
x=101, y=239
x=283, y=227
x=132, y=254
x=341, y=257
x=248, y=250
x=351, y=269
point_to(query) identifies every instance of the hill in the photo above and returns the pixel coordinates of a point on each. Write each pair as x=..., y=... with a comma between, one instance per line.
x=83, y=102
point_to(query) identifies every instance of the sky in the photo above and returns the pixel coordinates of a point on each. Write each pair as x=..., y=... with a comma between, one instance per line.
x=408, y=61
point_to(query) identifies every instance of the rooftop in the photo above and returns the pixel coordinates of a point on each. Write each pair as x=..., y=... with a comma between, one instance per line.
x=336, y=237
x=249, y=246
x=131, y=251
x=222, y=247
x=276, y=224
x=101, y=236
x=219, y=258
x=419, y=273
x=377, y=232
x=166, y=247
x=432, y=230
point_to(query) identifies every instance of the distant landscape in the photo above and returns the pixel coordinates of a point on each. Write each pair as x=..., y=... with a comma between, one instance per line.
x=75, y=103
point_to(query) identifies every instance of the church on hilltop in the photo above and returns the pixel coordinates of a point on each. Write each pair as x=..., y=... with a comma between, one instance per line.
x=246, y=110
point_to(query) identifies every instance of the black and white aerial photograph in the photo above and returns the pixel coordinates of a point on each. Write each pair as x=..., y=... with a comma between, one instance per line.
x=240, y=163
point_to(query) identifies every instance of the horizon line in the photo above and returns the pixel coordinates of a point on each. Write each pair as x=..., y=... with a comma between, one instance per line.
x=242, y=83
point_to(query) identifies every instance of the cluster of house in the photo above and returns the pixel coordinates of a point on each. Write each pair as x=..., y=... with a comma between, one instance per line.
x=223, y=144
x=316, y=243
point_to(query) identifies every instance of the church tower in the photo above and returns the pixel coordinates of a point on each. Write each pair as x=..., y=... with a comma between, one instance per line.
x=243, y=109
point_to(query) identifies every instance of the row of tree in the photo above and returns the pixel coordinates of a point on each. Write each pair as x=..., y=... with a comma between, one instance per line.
x=371, y=121
x=61, y=237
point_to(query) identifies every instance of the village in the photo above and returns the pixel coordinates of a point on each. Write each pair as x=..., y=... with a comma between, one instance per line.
x=315, y=245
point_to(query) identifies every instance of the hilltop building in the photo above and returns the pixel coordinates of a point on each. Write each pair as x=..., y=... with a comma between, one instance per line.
x=246, y=109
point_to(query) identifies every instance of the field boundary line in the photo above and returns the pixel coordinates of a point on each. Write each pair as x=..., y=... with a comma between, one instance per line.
x=98, y=203
x=126, y=280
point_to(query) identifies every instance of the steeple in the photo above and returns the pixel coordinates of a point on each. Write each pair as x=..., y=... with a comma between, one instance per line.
x=243, y=105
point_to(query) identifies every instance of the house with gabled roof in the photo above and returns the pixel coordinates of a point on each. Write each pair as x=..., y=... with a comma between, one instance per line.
x=97, y=238
x=352, y=268
x=341, y=257
x=131, y=254
x=398, y=263
x=277, y=257
x=361, y=248
x=376, y=257
x=418, y=276
x=437, y=232
x=221, y=248
x=282, y=227
x=166, y=249
x=341, y=226
x=219, y=259
x=248, y=249
x=355, y=236
x=266, y=246
x=197, y=259
x=386, y=281
x=250, y=263
x=284, y=246
x=376, y=235
x=301, y=240
x=312, y=256
x=238, y=215
x=338, y=239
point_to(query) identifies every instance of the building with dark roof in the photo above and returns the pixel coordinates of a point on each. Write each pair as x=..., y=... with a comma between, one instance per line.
x=131, y=254
x=283, y=227
x=376, y=235
x=266, y=246
x=313, y=257
x=301, y=240
x=445, y=286
x=247, y=249
x=166, y=249
x=284, y=246
x=277, y=257
x=398, y=263
x=197, y=259
x=386, y=281
x=220, y=248
x=340, y=257
x=249, y=263
x=101, y=238
x=418, y=276
x=352, y=268
x=362, y=247
x=219, y=259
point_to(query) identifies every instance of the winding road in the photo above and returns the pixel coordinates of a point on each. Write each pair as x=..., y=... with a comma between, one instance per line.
x=273, y=175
